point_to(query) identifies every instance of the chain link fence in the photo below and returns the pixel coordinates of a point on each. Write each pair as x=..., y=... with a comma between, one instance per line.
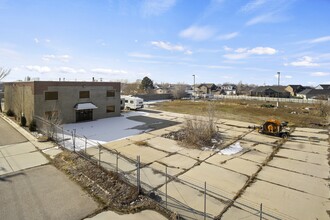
x=135, y=173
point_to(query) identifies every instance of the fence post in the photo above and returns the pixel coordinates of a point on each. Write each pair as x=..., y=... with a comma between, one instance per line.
x=63, y=137
x=260, y=211
x=99, y=154
x=117, y=162
x=74, y=139
x=166, y=186
x=85, y=144
x=138, y=174
x=204, y=200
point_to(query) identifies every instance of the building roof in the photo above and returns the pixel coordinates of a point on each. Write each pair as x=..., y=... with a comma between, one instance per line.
x=294, y=87
x=85, y=106
x=208, y=85
x=274, y=88
x=325, y=86
x=315, y=92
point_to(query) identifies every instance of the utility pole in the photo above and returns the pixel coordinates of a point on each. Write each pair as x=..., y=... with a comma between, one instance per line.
x=278, y=85
x=194, y=92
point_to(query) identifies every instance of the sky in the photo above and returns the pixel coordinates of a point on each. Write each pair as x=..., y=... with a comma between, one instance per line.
x=169, y=41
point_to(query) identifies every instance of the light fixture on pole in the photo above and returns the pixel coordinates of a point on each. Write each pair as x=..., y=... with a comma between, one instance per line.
x=278, y=84
x=194, y=92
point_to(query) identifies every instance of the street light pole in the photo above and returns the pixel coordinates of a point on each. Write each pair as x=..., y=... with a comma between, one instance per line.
x=278, y=84
x=194, y=92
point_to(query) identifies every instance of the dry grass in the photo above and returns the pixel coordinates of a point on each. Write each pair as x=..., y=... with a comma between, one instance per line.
x=297, y=114
x=142, y=143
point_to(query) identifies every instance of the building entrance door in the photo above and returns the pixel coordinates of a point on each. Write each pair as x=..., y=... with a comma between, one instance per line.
x=84, y=115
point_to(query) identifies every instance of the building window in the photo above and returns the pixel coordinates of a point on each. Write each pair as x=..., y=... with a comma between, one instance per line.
x=111, y=93
x=51, y=115
x=84, y=94
x=111, y=108
x=51, y=95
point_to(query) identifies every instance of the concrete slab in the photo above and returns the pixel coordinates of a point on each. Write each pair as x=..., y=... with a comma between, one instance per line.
x=52, y=152
x=27, y=160
x=174, y=128
x=241, y=166
x=179, y=161
x=218, y=159
x=151, y=177
x=254, y=156
x=147, y=154
x=109, y=162
x=159, y=132
x=144, y=215
x=261, y=138
x=165, y=144
x=117, y=144
x=196, y=154
x=303, y=146
x=4, y=166
x=314, y=186
x=314, y=158
x=312, y=130
x=15, y=149
x=312, y=135
x=194, y=199
x=266, y=149
x=219, y=180
x=308, y=140
x=173, y=171
x=301, y=167
x=92, y=151
x=241, y=212
x=12, y=135
x=43, y=145
x=285, y=203
x=140, y=137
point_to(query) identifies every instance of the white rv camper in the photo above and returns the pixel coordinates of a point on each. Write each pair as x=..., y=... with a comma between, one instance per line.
x=132, y=102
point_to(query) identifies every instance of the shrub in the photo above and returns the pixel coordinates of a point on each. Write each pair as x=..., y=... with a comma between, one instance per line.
x=23, y=121
x=268, y=106
x=33, y=125
x=10, y=113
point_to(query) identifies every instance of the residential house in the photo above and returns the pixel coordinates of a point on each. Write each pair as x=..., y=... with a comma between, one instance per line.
x=229, y=89
x=206, y=89
x=323, y=86
x=270, y=91
x=314, y=94
x=162, y=89
x=70, y=101
x=294, y=89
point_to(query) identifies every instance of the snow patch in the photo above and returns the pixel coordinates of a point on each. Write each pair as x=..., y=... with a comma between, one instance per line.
x=232, y=149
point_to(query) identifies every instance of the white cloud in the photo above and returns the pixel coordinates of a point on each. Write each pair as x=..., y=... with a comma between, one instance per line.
x=265, y=18
x=228, y=36
x=108, y=71
x=62, y=58
x=197, y=33
x=36, y=40
x=253, y=5
x=71, y=70
x=227, y=48
x=288, y=77
x=156, y=7
x=171, y=47
x=320, y=74
x=241, y=53
x=39, y=69
x=319, y=40
x=305, y=61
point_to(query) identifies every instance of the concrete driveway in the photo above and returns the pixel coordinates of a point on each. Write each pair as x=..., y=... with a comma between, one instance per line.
x=42, y=193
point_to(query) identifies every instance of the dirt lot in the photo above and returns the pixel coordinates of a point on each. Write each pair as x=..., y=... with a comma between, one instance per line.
x=301, y=115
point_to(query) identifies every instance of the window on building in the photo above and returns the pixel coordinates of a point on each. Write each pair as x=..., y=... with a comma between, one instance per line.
x=111, y=93
x=51, y=95
x=51, y=115
x=111, y=108
x=131, y=102
x=84, y=94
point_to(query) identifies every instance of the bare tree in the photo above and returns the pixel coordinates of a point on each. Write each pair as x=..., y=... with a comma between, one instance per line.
x=3, y=73
x=179, y=91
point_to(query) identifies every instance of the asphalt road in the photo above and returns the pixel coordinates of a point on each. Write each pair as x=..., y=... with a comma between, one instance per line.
x=43, y=193
x=9, y=135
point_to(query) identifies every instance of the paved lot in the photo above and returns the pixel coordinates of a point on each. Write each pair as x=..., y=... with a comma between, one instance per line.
x=42, y=193
x=290, y=179
x=29, y=189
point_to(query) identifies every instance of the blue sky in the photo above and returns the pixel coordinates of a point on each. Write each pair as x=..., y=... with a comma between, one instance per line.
x=167, y=40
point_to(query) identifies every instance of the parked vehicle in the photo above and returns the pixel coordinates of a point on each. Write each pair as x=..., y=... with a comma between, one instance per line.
x=132, y=102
